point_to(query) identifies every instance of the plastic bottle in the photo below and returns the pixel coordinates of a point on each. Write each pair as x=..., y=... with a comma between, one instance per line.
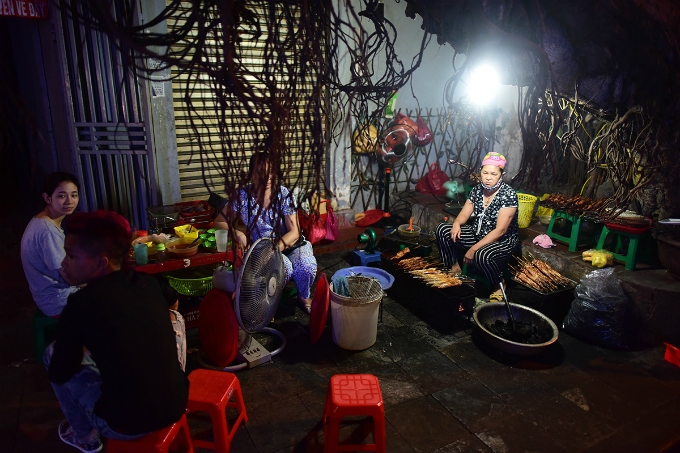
x=160, y=252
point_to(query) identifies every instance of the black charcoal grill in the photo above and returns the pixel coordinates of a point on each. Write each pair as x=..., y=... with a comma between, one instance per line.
x=434, y=305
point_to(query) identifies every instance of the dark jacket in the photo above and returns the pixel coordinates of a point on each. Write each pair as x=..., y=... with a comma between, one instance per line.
x=122, y=319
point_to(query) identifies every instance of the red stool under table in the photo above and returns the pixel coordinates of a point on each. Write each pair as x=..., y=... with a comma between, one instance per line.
x=157, y=442
x=211, y=392
x=353, y=395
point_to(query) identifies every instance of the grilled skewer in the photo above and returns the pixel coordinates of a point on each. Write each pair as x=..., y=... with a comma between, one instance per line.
x=538, y=274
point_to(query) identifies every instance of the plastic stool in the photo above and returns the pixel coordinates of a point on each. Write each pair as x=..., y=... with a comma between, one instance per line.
x=288, y=292
x=631, y=254
x=158, y=441
x=41, y=322
x=362, y=257
x=353, y=395
x=480, y=277
x=210, y=392
x=572, y=240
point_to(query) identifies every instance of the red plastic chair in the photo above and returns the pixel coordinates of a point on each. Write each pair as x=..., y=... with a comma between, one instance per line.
x=160, y=441
x=353, y=395
x=211, y=392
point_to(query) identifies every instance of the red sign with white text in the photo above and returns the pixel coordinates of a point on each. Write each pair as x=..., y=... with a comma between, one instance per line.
x=33, y=9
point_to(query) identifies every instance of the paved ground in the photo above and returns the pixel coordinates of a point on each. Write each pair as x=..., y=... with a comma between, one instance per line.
x=445, y=389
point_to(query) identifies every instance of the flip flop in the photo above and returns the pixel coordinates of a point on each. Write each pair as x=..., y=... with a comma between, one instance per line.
x=496, y=296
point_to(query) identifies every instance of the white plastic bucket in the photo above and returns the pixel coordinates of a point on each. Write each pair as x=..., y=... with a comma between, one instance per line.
x=355, y=323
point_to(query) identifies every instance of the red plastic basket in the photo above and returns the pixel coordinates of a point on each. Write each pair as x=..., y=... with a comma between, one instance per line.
x=635, y=229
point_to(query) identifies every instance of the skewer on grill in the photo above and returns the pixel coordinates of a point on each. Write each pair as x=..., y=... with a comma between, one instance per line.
x=538, y=274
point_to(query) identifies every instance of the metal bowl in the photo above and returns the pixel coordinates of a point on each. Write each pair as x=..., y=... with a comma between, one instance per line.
x=493, y=311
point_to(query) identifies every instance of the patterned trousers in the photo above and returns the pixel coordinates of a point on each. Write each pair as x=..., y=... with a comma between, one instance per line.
x=491, y=259
x=301, y=267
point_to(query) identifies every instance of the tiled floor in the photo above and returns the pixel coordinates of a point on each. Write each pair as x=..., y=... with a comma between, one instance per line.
x=445, y=389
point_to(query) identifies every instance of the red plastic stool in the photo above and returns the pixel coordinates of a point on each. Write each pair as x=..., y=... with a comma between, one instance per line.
x=210, y=392
x=353, y=395
x=158, y=441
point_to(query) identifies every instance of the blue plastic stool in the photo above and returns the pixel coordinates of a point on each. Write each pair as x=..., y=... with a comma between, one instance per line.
x=362, y=257
x=41, y=324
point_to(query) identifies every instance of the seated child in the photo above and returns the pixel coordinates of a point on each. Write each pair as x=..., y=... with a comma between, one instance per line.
x=129, y=382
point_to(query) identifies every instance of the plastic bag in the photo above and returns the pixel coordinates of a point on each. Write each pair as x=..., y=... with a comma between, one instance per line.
x=542, y=210
x=424, y=135
x=331, y=223
x=433, y=181
x=598, y=314
x=313, y=226
x=598, y=258
x=365, y=139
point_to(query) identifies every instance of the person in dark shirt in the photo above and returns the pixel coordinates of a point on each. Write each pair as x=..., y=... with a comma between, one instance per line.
x=113, y=366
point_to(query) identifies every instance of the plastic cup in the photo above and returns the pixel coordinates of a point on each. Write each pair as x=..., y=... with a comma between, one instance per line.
x=141, y=254
x=221, y=238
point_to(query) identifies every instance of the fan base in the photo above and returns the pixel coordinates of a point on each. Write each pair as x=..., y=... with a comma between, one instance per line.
x=256, y=354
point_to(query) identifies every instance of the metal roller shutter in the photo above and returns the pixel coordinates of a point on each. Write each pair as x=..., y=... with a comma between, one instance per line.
x=205, y=115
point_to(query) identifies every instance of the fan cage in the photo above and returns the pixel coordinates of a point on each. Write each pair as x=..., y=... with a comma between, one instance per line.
x=255, y=305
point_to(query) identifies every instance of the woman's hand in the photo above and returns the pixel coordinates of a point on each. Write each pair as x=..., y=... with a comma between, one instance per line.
x=455, y=231
x=469, y=256
x=241, y=240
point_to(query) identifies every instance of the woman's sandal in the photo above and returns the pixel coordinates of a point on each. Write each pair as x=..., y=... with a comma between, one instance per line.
x=496, y=296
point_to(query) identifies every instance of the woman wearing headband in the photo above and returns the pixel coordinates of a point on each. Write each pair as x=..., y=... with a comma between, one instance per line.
x=490, y=236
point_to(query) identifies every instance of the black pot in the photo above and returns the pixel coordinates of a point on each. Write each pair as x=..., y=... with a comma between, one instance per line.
x=492, y=311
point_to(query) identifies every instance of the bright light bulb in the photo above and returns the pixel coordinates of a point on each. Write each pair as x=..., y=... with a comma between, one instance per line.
x=483, y=84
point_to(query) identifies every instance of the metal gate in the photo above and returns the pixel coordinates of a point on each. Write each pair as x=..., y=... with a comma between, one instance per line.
x=110, y=133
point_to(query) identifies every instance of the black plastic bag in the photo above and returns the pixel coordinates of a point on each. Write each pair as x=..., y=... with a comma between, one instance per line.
x=598, y=314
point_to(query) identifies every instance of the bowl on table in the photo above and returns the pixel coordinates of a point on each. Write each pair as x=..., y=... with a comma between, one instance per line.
x=183, y=247
x=210, y=245
x=151, y=242
x=405, y=232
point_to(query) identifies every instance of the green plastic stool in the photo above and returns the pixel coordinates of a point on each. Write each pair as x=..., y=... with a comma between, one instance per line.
x=631, y=254
x=42, y=325
x=572, y=240
x=480, y=277
x=288, y=292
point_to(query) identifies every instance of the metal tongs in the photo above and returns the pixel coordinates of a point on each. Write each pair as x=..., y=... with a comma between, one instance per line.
x=507, y=304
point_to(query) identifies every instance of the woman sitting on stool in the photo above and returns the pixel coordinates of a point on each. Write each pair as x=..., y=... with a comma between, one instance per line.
x=491, y=237
x=265, y=207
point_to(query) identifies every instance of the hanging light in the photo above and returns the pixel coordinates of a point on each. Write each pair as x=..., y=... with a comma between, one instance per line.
x=483, y=84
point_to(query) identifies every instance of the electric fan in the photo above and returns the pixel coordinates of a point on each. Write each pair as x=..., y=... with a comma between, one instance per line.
x=453, y=191
x=259, y=284
x=396, y=147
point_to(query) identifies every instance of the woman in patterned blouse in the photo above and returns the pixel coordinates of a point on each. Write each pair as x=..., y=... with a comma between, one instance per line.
x=485, y=231
x=268, y=210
